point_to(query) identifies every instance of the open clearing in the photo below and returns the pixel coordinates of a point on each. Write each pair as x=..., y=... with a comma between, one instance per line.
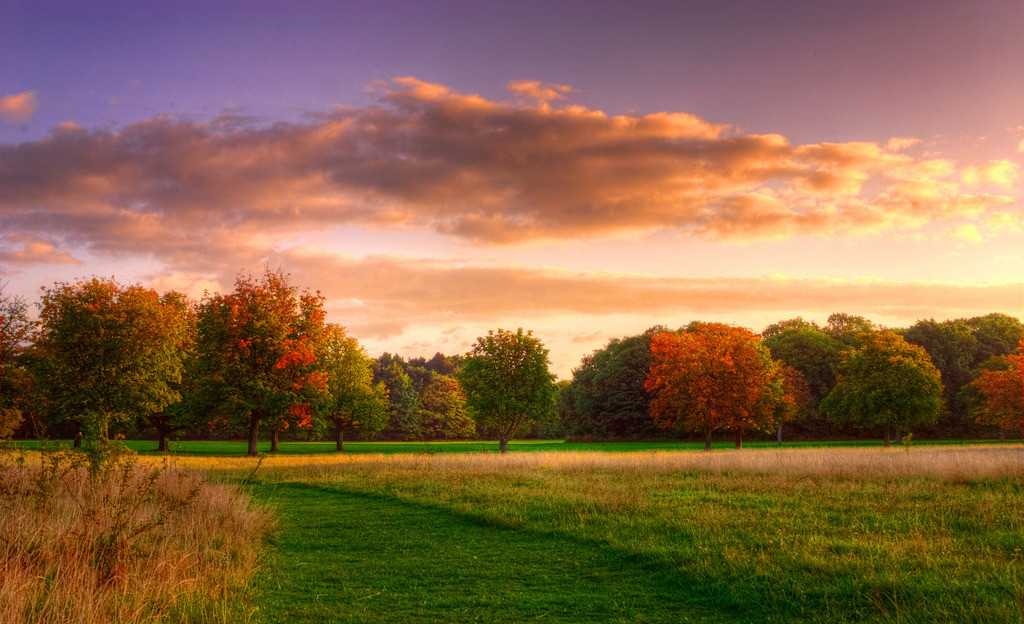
x=838, y=535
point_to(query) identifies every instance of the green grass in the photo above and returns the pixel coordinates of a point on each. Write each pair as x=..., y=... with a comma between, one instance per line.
x=387, y=541
x=236, y=447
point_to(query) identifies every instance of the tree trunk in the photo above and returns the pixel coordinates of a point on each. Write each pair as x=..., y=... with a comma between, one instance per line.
x=339, y=438
x=739, y=438
x=778, y=435
x=503, y=444
x=888, y=436
x=162, y=444
x=707, y=440
x=254, y=435
x=78, y=439
x=275, y=440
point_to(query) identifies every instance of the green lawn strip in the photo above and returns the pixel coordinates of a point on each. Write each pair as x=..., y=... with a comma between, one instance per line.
x=343, y=556
x=234, y=447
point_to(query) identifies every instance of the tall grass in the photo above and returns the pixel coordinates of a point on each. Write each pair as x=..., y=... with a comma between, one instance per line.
x=126, y=543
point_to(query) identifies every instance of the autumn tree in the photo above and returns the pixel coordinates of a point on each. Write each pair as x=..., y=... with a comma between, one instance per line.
x=257, y=357
x=711, y=377
x=792, y=397
x=15, y=380
x=607, y=398
x=108, y=353
x=443, y=413
x=352, y=402
x=885, y=383
x=507, y=382
x=1001, y=388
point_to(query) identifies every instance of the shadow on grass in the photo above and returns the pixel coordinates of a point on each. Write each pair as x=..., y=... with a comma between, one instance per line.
x=345, y=556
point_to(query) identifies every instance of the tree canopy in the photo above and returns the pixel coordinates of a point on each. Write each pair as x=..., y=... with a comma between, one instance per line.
x=507, y=382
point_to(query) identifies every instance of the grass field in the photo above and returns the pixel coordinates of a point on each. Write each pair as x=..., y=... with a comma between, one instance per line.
x=849, y=533
x=237, y=447
x=837, y=535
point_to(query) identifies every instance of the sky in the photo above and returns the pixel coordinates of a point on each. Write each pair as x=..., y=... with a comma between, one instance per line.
x=583, y=169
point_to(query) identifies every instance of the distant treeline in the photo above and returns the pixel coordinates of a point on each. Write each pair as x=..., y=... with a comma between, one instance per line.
x=106, y=360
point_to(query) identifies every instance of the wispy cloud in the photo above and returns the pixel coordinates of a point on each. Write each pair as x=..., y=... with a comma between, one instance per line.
x=18, y=107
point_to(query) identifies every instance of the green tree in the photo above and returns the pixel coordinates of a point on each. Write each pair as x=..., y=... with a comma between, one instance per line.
x=403, y=400
x=952, y=346
x=180, y=414
x=443, y=411
x=886, y=383
x=256, y=354
x=808, y=349
x=849, y=329
x=995, y=335
x=507, y=382
x=607, y=398
x=108, y=353
x=352, y=402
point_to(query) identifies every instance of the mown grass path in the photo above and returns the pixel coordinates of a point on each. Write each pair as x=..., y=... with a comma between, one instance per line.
x=343, y=556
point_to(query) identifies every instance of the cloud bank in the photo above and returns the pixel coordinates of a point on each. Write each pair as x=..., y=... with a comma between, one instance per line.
x=491, y=171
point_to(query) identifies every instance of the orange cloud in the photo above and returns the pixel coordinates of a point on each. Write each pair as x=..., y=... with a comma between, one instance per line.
x=492, y=171
x=29, y=250
x=18, y=107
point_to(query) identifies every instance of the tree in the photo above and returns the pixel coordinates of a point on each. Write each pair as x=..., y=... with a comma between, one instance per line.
x=1002, y=393
x=180, y=414
x=257, y=357
x=793, y=397
x=711, y=377
x=443, y=411
x=403, y=400
x=995, y=334
x=15, y=379
x=352, y=402
x=849, y=329
x=507, y=382
x=108, y=353
x=887, y=383
x=808, y=349
x=608, y=398
x=952, y=346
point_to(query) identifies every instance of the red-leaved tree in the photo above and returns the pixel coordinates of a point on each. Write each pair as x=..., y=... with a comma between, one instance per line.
x=256, y=354
x=711, y=377
x=1002, y=393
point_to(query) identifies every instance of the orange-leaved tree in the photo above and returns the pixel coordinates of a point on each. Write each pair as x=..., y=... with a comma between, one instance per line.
x=1002, y=393
x=712, y=377
x=257, y=357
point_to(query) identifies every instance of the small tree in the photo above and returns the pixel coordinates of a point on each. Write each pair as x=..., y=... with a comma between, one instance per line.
x=711, y=377
x=794, y=397
x=443, y=410
x=256, y=354
x=108, y=353
x=351, y=402
x=1002, y=393
x=180, y=414
x=403, y=420
x=887, y=383
x=507, y=382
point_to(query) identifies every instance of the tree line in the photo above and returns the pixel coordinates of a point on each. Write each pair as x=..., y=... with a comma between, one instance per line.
x=104, y=359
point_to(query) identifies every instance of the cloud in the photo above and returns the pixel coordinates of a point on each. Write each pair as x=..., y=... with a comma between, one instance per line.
x=426, y=156
x=381, y=296
x=899, y=144
x=1020, y=146
x=18, y=107
x=24, y=250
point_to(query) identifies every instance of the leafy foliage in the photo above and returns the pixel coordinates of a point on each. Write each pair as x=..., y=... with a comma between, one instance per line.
x=351, y=402
x=1002, y=393
x=109, y=353
x=443, y=412
x=712, y=377
x=507, y=382
x=257, y=353
x=886, y=383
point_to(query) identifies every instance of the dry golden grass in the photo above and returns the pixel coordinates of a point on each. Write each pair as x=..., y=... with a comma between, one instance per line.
x=954, y=463
x=132, y=543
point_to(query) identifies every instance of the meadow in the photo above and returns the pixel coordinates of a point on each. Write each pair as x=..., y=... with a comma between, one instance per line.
x=840, y=534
